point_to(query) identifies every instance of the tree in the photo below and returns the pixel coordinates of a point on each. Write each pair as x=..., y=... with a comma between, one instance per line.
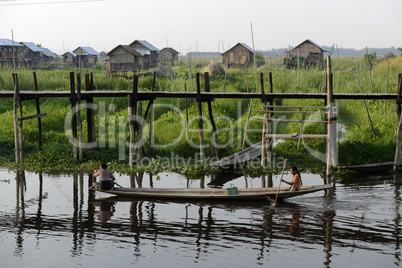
x=400, y=49
x=259, y=59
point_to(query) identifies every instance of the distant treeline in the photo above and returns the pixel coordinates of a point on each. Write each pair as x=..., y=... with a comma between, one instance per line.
x=342, y=52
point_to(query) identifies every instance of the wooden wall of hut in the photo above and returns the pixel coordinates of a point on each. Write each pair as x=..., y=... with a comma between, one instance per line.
x=238, y=56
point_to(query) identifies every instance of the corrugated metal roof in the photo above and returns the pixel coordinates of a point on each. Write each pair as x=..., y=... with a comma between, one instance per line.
x=146, y=44
x=172, y=50
x=246, y=46
x=32, y=46
x=89, y=50
x=48, y=53
x=308, y=40
x=8, y=43
x=71, y=53
x=128, y=48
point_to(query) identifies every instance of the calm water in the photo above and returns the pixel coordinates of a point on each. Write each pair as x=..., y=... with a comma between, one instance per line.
x=52, y=221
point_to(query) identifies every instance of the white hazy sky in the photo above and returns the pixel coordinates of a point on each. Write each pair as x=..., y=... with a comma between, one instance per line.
x=63, y=25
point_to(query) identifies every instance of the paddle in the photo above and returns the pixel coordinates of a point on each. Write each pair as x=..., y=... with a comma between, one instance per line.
x=277, y=193
x=118, y=184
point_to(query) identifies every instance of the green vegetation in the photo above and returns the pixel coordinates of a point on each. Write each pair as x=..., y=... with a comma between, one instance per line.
x=356, y=143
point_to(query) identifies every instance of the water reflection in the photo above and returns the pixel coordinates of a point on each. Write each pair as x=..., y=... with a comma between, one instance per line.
x=341, y=220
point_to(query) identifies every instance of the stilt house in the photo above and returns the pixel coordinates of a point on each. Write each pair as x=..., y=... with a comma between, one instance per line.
x=148, y=52
x=124, y=59
x=6, y=52
x=240, y=55
x=305, y=54
x=168, y=55
x=85, y=56
x=69, y=58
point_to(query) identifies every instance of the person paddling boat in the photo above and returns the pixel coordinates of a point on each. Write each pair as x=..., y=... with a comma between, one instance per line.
x=296, y=182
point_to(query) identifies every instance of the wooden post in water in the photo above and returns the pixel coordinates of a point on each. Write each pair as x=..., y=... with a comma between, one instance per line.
x=38, y=112
x=90, y=115
x=151, y=121
x=73, y=114
x=80, y=149
x=264, y=123
x=398, y=151
x=15, y=109
x=399, y=97
x=140, y=123
x=200, y=126
x=214, y=135
x=271, y=124
x=331, y=134
x=132, y=108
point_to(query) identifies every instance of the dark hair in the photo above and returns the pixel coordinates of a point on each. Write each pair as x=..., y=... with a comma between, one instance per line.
x=103, y=165
x=296, y=170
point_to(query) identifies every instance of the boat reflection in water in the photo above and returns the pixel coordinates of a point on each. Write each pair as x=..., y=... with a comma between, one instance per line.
x=320, y=230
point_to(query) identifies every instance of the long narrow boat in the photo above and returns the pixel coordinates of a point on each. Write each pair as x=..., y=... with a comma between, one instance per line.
x=214, y=194
x=369, y=168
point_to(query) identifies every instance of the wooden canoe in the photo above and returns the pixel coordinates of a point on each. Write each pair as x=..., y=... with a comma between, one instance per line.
x=213, y=194
x=370, y=168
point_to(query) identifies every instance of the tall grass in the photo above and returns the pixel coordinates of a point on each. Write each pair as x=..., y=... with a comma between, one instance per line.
x=352, y=113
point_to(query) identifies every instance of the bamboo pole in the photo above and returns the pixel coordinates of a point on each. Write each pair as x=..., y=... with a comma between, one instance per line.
x=37, y=104
x=15, y=109
x=365, y=104
x=200, y=125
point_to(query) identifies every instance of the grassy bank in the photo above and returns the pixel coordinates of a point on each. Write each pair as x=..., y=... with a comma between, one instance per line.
x=179, y=153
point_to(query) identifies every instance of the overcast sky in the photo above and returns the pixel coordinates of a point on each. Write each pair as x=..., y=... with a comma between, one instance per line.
x=63, y=25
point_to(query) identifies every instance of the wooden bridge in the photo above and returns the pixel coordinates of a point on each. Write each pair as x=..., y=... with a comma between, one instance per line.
x=135, y=97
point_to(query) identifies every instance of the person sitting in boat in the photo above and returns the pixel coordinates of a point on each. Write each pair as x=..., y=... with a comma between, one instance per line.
x=106, y=178
x=296, y=179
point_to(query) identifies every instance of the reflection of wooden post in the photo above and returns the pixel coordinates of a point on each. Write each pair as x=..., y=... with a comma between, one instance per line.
x=16, y=132
x=201, y=131
x=73, y=114
x=38, y=112
x=214, y=135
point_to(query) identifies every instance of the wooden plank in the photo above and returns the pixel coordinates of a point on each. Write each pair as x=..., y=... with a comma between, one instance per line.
x=148, y=95
x=297, y=136
x=293, y=112
x=296, y=107
x=292, y=121
x=31, y=117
